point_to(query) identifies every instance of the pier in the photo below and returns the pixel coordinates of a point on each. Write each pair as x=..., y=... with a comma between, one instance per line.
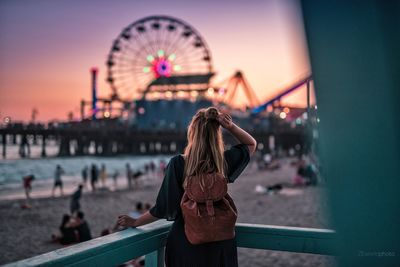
x=108, y=138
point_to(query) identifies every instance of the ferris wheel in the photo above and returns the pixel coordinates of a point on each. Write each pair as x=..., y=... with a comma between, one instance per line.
x=157, y=50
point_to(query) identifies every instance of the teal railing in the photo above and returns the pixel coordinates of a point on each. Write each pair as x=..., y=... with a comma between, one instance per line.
x=149, y=240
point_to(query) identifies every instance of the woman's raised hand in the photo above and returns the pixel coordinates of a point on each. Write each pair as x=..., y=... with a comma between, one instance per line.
x=225, y=120
x=126, y=221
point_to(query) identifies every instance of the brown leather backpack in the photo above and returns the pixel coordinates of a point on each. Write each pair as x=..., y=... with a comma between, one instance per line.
x=209, y=212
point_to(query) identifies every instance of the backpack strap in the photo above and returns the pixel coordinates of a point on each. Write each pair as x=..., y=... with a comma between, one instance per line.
x=210, y=207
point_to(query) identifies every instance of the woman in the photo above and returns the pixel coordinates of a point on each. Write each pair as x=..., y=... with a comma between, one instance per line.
x=203, y=153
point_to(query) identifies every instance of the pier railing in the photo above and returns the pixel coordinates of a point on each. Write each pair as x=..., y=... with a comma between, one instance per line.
x=149, y=240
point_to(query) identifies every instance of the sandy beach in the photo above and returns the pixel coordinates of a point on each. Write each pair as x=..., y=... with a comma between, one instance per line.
x=26, y=232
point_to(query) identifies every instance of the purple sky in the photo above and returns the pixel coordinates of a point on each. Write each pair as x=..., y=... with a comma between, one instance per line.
x=48, y=47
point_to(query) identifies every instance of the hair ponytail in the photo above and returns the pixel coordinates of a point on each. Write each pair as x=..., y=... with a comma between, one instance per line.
x=205, y=149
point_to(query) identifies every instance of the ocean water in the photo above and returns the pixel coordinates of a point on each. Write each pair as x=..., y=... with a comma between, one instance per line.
x=12, y=169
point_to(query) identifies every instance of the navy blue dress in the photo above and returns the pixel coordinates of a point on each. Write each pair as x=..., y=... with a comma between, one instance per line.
x=179, y=252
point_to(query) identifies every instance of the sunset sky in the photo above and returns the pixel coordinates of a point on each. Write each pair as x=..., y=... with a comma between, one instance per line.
x=48, y=47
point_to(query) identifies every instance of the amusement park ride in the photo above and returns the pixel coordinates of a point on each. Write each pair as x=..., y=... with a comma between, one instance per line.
x=164, y=58
x=159, y=70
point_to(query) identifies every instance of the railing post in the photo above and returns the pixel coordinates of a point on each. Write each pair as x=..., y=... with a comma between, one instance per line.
x=155, y=258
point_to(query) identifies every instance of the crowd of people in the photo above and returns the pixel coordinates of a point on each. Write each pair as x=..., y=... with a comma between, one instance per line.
x=93, y=174
x=306, y=175
x=73, y=229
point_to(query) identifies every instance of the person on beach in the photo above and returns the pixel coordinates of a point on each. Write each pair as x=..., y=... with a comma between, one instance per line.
x=115, y=178
x=57, y=180
x=94, y=173
x=138, y=211
x=103, y=175
x=152, y=169
x=135, y=176
x=129, y=175
x=85, y=176
x=204, y=153
x=306, y=174
x=75, y=205
x=68, y=233
x=162, y=167
x=82, y=226
x=27, y=181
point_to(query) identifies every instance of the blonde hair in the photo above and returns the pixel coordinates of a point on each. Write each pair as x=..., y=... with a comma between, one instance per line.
x=205, y=149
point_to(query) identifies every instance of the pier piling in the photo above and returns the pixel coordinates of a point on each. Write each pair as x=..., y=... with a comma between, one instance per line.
x=43, y=154
x=4, y=142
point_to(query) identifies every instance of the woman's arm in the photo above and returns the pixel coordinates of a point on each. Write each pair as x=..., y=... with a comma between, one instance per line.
x=127, y=221
x=241, y=135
